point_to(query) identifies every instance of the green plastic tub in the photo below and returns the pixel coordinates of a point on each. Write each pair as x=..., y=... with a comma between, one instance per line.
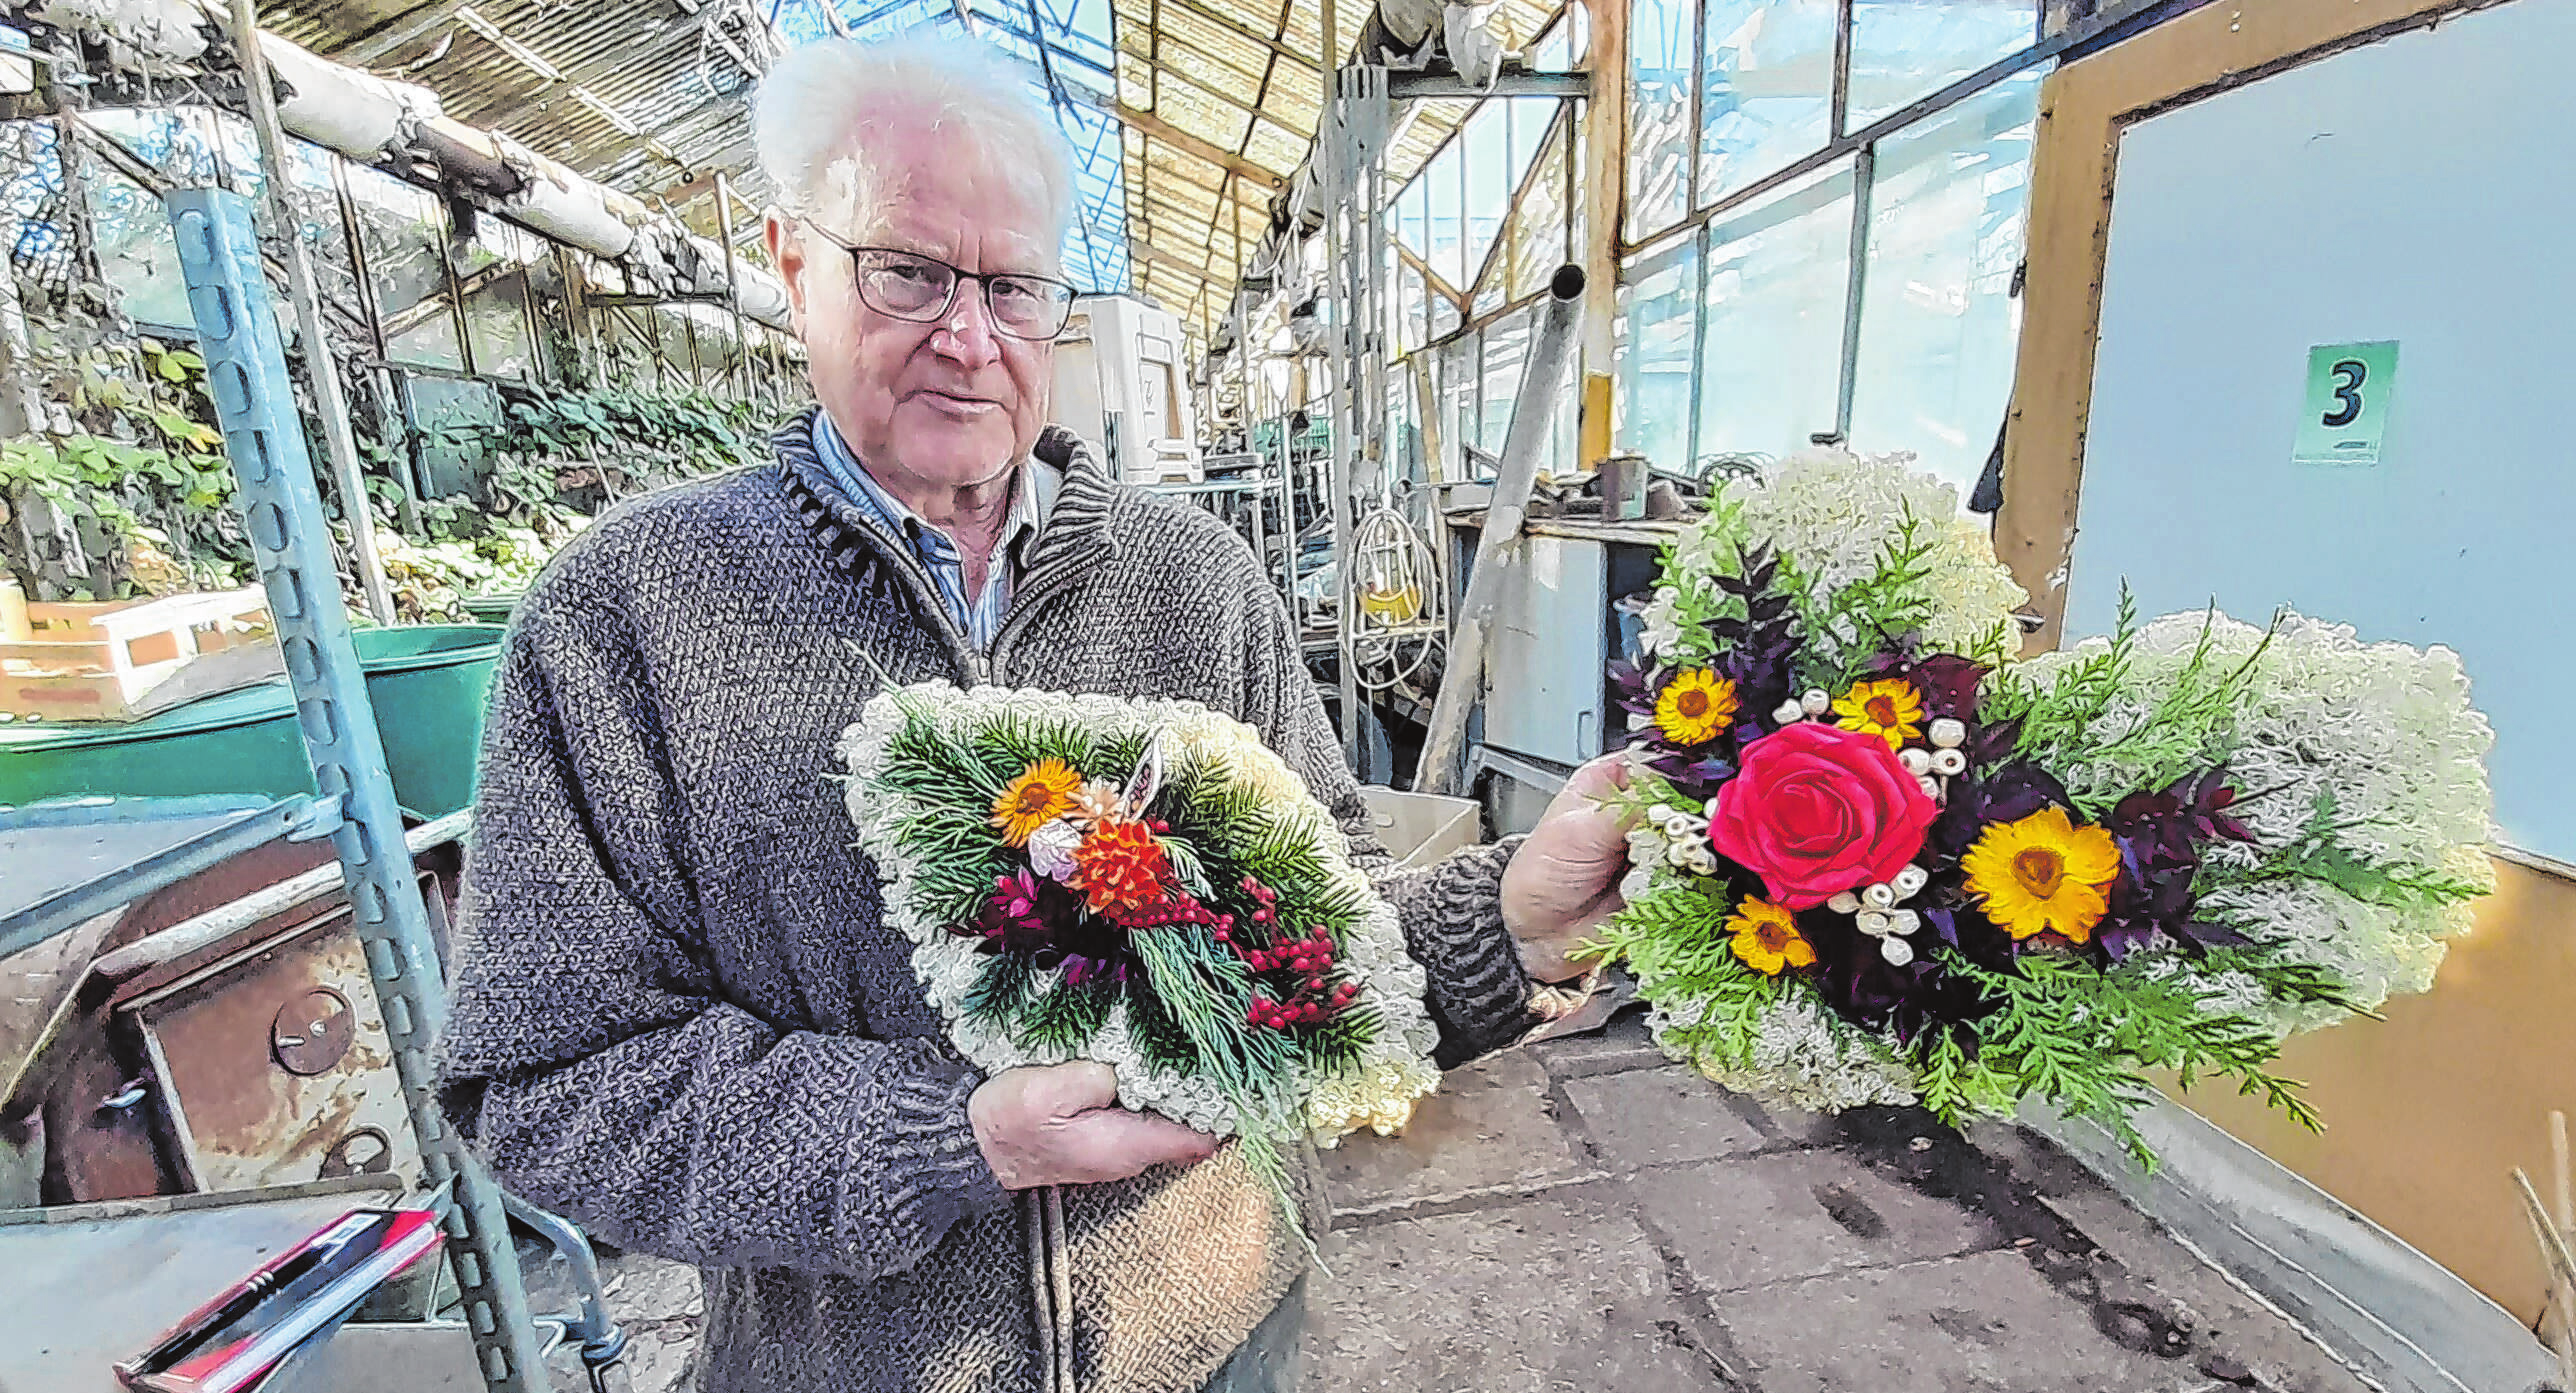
x=493, y=608
x=428, y=684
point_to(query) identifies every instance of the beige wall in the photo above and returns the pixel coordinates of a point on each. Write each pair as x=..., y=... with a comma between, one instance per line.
x=2428, y=1111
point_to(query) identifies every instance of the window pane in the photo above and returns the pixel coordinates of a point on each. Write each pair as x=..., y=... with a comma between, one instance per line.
x=1492, y=171
x=496, y=315
x=1408, y=309
x=1771, y=355
x=1538, y=224
x=1457, y=367
x=1555, y=53
x=1905, y=50
x=1937, y=333
x=1767, y=92
x=678, y=352
x=136, y=254
x=1506, y=348
x=1659, y=134
x=1655, y=366
x=405, y=236
x=1409, y=224
x=1490, y=176
x=1448, y=234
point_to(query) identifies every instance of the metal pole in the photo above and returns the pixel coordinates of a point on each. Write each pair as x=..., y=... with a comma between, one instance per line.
x=1243, y=413
x=327, y=397
x=733, y=286
x=455, y=289
x=282, y=512
x=1333, y=144
x=1864, y=176
x=388, y=390
x=1533, y=416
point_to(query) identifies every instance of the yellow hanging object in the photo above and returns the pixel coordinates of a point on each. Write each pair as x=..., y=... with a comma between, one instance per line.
x=1390, y=605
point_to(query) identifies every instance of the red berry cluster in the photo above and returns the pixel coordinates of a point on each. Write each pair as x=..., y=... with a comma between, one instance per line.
x=1311, y=958
x=1177, y=909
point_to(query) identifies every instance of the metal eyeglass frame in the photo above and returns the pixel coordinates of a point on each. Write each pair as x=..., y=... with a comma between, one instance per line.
x=956, y=279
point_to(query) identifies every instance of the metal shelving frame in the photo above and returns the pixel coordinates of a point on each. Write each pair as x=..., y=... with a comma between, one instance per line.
x=281, y=505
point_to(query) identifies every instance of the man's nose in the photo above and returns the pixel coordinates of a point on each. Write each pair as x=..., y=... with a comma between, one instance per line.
x=972, y=337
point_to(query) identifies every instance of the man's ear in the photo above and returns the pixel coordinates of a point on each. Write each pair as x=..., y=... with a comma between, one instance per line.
x=787, y=253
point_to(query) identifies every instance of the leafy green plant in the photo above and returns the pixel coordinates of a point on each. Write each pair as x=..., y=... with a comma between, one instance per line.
x=132, y=471
x=129, y=458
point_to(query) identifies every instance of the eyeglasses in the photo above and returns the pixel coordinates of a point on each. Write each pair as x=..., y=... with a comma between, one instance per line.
x=922, y=290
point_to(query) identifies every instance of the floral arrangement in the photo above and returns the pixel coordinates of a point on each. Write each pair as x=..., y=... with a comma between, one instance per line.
x=1879, y=861
x=1145, y=884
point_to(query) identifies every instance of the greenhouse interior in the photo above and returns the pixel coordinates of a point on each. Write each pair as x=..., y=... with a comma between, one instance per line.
x=1023, y=696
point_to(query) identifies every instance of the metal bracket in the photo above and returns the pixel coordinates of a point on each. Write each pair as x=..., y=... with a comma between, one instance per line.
x=320, y=818
x=282, y=508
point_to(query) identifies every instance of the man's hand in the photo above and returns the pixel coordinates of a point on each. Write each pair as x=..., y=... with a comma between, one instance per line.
x=1060, y=1124
x=1564, y=880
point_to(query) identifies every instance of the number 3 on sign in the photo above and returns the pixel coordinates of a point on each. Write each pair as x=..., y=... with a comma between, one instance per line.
x=2344, y=419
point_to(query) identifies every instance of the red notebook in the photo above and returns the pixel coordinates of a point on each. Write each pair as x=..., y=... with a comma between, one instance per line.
x=229, y=1343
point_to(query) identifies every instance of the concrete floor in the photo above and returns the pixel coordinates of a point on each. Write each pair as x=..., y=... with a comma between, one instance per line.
x=1582, y=1215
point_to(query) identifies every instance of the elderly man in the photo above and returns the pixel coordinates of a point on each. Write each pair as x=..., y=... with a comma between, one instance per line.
x=679, y=1016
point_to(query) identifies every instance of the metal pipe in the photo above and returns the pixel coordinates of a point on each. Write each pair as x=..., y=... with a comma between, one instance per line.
x=1855, y=287
x=601, y=1340
x=328, y=398
x=741, y=333
x=1533, y=416
x=223, y=921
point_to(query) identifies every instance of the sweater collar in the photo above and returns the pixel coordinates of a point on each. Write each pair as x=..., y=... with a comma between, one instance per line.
x=1076, y=528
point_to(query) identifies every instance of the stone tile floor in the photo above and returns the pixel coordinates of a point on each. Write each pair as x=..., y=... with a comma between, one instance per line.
x=1582, y=1215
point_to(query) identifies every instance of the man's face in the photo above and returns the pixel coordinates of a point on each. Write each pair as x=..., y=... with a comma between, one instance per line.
x=949, y=404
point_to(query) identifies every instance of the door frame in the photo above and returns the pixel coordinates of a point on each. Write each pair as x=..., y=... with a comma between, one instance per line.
x=2084, y=109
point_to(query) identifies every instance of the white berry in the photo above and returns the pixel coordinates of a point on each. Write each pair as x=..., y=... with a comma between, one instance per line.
x=1879, y=897
x=1949, y=764
x=1844, y=902
x=1789, y=713
x=1815, y=702
x=1916, y=762
x=1949, y=733
x=1897, y=951
x=1908, y=882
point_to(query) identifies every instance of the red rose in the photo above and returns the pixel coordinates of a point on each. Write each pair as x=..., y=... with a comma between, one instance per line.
x=1817, y=810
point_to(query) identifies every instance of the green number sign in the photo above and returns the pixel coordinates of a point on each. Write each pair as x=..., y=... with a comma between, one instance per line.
x=2344, y=415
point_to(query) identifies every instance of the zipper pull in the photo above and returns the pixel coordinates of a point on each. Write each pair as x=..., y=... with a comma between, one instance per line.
x=979, y=669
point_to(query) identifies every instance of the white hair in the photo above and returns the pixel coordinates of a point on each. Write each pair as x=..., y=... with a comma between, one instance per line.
x=814, y=115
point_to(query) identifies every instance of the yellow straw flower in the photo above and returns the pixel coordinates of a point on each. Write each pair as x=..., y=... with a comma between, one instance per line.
x=2043, y=874
x=1890, y=709
x=1767, y=938
x=1042, y=793
x=1695, y=706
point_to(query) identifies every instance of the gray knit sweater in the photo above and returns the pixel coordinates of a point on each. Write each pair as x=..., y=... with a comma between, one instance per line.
x=680, y=1020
